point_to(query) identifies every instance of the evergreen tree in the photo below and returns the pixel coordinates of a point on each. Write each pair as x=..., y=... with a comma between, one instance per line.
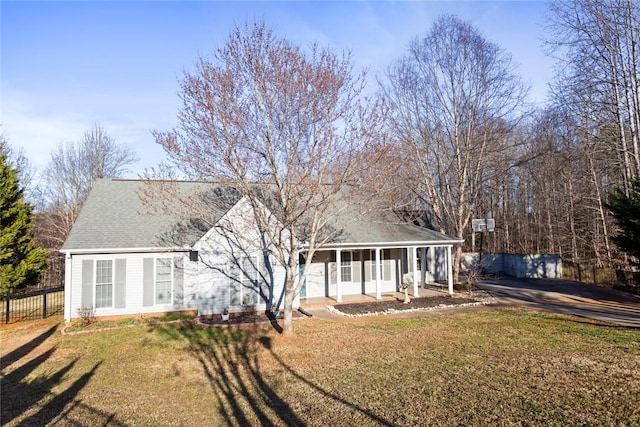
x=21, y=262
x=626, y=210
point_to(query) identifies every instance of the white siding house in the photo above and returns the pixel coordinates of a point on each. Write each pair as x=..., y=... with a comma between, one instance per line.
x=125, y=259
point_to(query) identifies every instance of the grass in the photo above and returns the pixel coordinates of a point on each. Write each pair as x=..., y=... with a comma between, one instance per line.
x=481, y=366
x=99, y=325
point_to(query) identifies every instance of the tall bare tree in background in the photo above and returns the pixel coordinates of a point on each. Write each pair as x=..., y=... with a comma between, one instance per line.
x=456, y=99
x=599, y=41
x=265, y=111
x=70, y=174
x=596, y=45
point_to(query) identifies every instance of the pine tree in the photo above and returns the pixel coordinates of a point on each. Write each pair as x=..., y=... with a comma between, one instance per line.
x=21, y=262
x=626, y=210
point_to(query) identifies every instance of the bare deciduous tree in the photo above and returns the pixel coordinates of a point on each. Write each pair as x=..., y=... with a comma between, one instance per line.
x=264, y=111
x=19, y=160
x=72, y=170
x=456, y=98
x=598, y=42
x=596, y=45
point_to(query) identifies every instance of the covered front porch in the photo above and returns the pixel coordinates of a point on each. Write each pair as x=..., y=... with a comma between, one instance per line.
x=323, y=301
x=380, y=271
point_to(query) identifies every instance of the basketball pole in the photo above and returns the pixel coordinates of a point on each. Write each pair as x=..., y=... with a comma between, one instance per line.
x=481, y=244
x=473, y=241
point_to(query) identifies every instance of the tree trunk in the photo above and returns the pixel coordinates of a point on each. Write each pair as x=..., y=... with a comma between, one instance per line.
x=572, y=225
x=287, y=327
x=457, y=256
x=601, y=213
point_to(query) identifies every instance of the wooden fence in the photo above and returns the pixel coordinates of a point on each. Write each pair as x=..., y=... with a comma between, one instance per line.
x=32, y=304
x=601, y=275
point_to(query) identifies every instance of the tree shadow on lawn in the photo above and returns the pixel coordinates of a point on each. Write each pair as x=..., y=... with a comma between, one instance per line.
x=231, y=360
x=21, y=393
x=229, y=357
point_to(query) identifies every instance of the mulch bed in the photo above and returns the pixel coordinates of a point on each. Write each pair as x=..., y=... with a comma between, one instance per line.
x=244, y=319
x=371, y=307
x=349, y=309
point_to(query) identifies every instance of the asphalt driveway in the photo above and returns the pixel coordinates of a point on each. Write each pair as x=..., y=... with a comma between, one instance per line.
x=567, y=297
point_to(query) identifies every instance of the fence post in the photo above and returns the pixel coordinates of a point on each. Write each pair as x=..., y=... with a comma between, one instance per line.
x=579, y=274
x=7, y=317
x=44, y=304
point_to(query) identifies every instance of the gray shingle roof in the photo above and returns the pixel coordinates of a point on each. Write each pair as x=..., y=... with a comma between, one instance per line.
x=115, y=217
x=369, y=225
x=129, y=214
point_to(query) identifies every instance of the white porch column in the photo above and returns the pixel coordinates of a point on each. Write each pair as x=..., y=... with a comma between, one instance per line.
x=449, y=269
x=378, y=274
x=423, y=267
x=338, y=276
x=414, y=270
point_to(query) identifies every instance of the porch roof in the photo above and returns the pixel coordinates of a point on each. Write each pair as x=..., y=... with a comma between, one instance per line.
x=363, y=233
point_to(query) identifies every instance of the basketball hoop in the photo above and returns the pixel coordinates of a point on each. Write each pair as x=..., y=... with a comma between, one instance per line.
x=483, y=225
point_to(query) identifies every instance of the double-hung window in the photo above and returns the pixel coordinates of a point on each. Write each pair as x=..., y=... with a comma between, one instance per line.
x=163, y=281
x=384, y=254
x=249, y=279
x=104, y=283
x=419, y=258
x=373, y=264
x=345, y=267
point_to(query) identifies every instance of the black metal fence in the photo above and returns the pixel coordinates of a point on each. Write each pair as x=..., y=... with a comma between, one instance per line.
x=32, y=304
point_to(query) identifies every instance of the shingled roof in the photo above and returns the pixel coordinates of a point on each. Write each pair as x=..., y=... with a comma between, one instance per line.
x=124, y=214
x=133, y=215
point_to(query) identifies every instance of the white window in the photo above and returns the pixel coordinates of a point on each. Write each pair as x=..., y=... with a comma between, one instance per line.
x=384, y=254
x=345, y=267
x=249, y=280
x=374, y=265
x=104, y=283
x=419, y=258
x=163, y=281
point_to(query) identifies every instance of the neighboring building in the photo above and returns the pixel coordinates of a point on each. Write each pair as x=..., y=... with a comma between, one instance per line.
x=126, y=258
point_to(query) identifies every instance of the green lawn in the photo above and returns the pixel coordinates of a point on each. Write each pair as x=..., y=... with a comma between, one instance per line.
x=480, y=366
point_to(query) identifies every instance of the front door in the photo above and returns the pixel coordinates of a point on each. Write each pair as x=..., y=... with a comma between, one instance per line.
x=303, y=289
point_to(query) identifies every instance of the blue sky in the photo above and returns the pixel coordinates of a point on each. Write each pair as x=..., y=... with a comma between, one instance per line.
x=67, y=65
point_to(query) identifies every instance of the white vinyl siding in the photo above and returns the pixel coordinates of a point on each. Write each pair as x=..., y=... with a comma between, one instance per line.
x=104, y=284
x=128, y=289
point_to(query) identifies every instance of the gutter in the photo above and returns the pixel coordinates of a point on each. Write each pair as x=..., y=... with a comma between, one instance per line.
x=98, y=251
x=386, y=245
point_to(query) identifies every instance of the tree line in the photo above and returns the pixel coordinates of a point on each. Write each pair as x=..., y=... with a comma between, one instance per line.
x=448, y=136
